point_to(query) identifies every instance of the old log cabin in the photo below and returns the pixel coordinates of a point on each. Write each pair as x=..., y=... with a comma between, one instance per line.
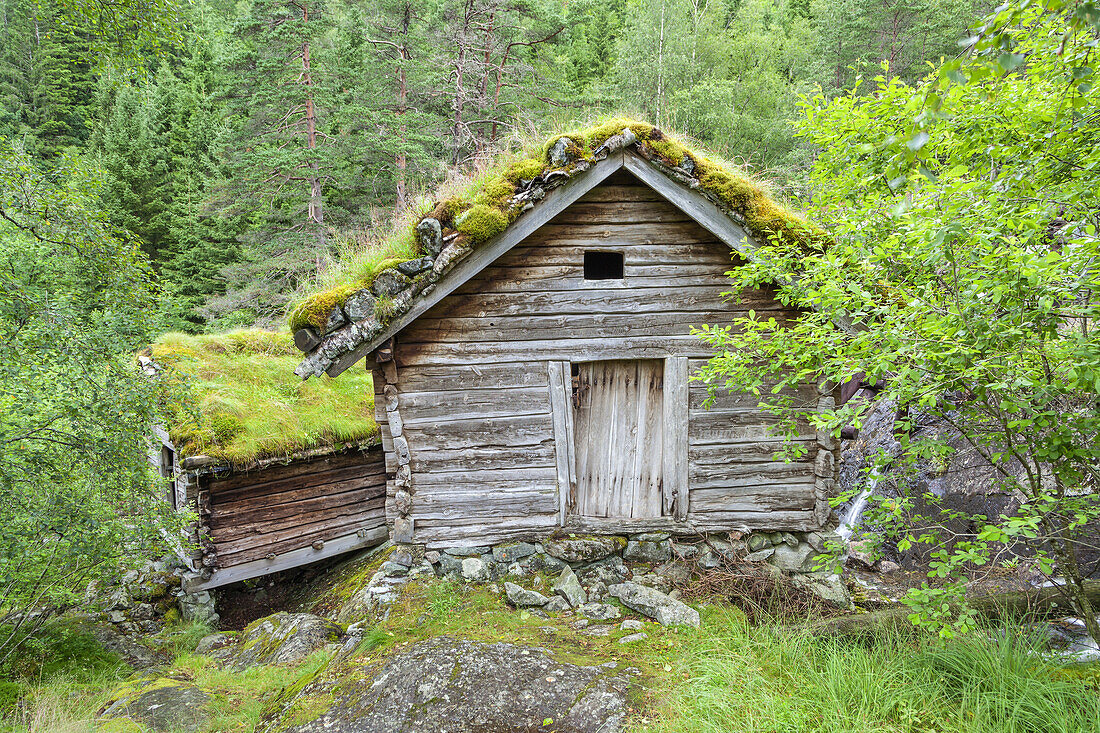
x=531, y=365
x=281, y=472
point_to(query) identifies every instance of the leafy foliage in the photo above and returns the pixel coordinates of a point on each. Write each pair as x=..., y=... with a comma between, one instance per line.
x=962, y=284
x=74, y=410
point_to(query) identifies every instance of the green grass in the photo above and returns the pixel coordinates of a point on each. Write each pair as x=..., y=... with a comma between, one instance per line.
x=250, y=403
x=728, y=676
x=477, y=208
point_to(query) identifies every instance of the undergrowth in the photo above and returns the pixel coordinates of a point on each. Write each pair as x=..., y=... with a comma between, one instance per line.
x=250, y=404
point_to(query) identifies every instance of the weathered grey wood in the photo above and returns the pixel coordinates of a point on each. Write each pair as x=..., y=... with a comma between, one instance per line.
x=615, y=192
x=620, y=525
x=775, y=497
x=773, y=521
x=560, y=412
x=731, y=476
x=605, y=349
x=675, y=486
x=288, y=560
x=504, y=506
x=434, y=460
x=475, y=432
x=619, y=452
x=256, y=478
x=709, y=216
x=555, y=202
x=456, y=534
x=596, y=213
x=423, y=406
x=748, y=453
x=429, y=378
x=455, y=481
x=732, y=427
x=723, y=400
x=365, y=486
x=235, y=552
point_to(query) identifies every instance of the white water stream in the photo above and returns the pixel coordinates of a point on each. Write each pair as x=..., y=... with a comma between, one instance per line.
x=850, y=520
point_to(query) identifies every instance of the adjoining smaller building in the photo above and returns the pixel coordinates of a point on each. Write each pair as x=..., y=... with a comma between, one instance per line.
x=281, y=473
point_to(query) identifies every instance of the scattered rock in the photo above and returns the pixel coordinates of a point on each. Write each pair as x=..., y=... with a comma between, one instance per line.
x=467, y=551
x=568, y=587
x=523, y=598
x=360, y=305
x=460, y=686
x=793, y=559
x=599, y=611
x=512, y=551
x=559, y=152
x=389, y=283
x=631, y=624
x=166, y=705
x=432, y=556
x=654, y=604
x=474, y=568
x=431, y=236
x=598, y=630
x=129, y=648
x=557, y=604
x=218, y=646
x=648, y=551
x=633, y=638
x=676, y=571
x=284, y=638
x=827, y=586
x=583, y=549
x=413, y=268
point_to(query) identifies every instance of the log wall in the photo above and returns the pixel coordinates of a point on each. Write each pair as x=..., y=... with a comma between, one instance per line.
x=259, y=514
x=474, y=390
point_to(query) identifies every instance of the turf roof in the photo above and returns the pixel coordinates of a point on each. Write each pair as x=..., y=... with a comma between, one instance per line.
x=249, y=403
x=493, y=201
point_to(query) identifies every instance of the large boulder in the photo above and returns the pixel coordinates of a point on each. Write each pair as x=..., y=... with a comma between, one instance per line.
x=655, y=604
x=284, y=638
x=457, y=686
x=583, y=548
x=164, y=704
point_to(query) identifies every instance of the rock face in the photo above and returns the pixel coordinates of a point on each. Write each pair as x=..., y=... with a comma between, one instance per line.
x=649, y=602
x=446, y=685
x=284, y=638
x=163, y=704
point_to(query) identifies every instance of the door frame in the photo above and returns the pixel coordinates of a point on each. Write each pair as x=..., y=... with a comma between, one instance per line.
x=675, y=489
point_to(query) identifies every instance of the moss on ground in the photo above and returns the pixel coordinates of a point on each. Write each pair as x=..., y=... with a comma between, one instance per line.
x=485, y=207
x=249, y=403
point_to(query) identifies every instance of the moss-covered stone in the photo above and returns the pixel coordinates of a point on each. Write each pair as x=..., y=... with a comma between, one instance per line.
x=480, y=223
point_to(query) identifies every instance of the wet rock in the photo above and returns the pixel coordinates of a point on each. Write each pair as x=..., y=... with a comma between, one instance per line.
x=599, y=611
x=633, y=638
x=284, y=638
x=512, y=551
x=523, y=598
x=163, y=704
x=459, y=686
x=654, y=604
x=648, y=551
x=583, y=549
x=430, y=234
x=568, y=587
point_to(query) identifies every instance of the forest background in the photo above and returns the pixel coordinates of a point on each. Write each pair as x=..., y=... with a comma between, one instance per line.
x=245, y=146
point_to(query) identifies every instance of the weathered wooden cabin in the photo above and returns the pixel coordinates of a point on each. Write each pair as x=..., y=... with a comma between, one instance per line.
x=538, y=379
x=273, y=488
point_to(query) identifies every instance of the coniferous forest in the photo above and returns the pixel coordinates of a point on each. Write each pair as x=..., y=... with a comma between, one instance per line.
x=252, y=144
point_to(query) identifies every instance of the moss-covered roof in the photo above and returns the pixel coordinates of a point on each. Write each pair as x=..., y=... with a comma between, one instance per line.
x=368, y=294
x=234, y=397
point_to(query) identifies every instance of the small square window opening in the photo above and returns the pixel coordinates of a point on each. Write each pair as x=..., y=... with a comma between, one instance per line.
x=603, y=265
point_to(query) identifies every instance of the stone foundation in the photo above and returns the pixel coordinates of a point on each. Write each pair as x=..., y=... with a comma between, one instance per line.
x=587, y=566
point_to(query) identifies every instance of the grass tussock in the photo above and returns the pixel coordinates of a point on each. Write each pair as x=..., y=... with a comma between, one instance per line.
x=248, y=404
x=478, y=208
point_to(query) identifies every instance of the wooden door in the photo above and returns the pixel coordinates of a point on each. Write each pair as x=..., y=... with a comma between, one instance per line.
x=618, y=418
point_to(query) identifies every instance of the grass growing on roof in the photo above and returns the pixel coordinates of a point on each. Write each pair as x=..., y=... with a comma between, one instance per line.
x=480, y=209
x=250, y=404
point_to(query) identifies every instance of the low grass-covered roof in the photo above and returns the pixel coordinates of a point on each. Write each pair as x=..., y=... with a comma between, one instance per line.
x=367, y=290
x=235, y=397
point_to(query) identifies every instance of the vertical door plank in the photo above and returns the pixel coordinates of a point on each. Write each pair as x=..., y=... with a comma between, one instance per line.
x=561, y=413
x=648, y=501
x=676, y=437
